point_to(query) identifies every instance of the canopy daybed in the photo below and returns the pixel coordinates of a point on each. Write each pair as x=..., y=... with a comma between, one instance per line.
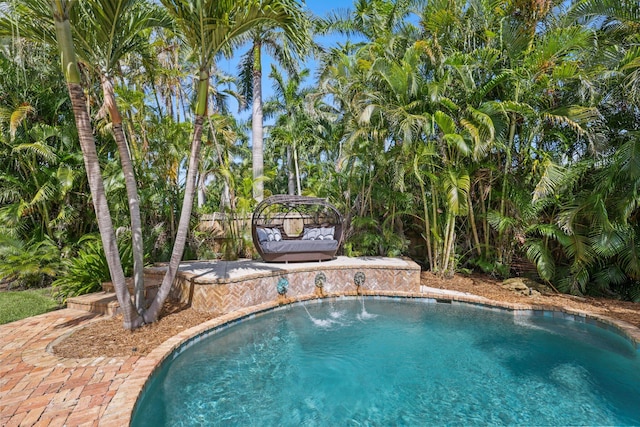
x=296, y=228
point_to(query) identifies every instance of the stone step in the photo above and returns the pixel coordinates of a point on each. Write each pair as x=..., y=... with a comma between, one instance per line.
x=105, y=302
x=151, y=285
x=98, y=302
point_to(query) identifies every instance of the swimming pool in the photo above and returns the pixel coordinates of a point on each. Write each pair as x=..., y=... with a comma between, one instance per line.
x=397, y=362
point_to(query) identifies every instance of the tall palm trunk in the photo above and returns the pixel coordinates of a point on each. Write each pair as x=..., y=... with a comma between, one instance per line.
x=151, y=315
x=60, y=10
x=437, y=239
x=225, y=197
x=502, y=245
x=291, y=179
x=257, y=150
x=132, y=193
x=202, y=190
x=297, y=169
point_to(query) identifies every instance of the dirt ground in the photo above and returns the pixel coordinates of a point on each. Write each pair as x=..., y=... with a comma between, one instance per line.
x=107, y=338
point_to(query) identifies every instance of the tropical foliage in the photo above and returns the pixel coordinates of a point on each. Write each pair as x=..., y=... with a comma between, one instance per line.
x=491, y=135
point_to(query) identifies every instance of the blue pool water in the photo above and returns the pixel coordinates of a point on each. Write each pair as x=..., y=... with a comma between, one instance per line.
x=398, y=362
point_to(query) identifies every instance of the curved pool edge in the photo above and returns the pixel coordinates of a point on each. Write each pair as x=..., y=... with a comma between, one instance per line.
x=120, y=410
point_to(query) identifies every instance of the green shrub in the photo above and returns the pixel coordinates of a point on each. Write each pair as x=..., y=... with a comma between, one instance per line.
x=26, y=265
x=85, y=272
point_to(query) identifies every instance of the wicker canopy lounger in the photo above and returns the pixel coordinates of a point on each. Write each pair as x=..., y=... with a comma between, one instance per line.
x=296, y=228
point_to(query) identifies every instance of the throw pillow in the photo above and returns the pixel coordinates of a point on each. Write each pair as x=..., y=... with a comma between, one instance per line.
x=313, y=234
x=306, y=233
x=262, y=235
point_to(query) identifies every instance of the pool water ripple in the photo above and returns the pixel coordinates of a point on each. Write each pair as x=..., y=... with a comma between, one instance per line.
x=407, y=363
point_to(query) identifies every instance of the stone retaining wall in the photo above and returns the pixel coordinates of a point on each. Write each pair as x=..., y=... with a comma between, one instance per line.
x=210, y=289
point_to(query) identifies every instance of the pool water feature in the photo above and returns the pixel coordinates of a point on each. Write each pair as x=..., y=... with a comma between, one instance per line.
x=407, y=362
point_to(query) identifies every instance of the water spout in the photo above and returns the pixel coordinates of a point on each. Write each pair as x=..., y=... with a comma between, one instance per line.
x=335, y=314
x=322, y=323
x=364, y=314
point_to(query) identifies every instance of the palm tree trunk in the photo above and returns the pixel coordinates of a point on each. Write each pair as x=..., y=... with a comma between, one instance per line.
x=483, y=210
x=437, y=240
x=297, y=168
x=151, y=315
x=445, y=252
x=505, y=183
x=225, y=200
x=451, y=249
x=257, y=150
x=291, y=176
x=132, y=193
x=202, y=194
x=474, y=228
x=507, y=163
x=154, y=89
x=100, y=204
x=60, y=10
x=427, y=231
x=447, y=256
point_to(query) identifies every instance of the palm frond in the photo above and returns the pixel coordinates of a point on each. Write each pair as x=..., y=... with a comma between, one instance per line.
x=456, y=141
x=444, y=122
x=456, y=186
x=40, y=149
x=538, y=253
x=500, y=223
x=573, y=117
x=553, y=176
x=630, y=258
x=609, y=275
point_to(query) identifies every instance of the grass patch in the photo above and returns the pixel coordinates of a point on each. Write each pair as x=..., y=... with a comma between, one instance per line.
x=16, y=305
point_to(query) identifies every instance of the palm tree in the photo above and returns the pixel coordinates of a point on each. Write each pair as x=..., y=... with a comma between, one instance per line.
x=286, y=51
x=106, y=31
x=208, y=27
x=291, y=127
x=111, y=30
x=61, y=10
x=372, y=19
x=220, y=121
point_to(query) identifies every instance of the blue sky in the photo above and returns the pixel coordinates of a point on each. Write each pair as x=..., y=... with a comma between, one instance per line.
x=321, y=7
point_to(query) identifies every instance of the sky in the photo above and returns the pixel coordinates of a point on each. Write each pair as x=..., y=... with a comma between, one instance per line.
x=320, y=8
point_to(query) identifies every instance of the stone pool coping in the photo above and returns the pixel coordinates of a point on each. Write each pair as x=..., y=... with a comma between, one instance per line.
x=38, y=388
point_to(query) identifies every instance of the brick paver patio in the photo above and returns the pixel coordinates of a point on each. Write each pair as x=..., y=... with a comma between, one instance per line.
x=40, y=389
